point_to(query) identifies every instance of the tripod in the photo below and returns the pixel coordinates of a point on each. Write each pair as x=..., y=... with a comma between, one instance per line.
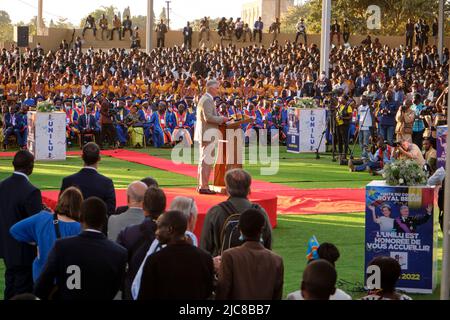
x=357, y=135
x=331, y=125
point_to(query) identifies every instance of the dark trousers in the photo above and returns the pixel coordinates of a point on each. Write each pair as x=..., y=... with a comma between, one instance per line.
x=259, y=33
x=417, y=138
x=409, y=40
x=118, y=31
x=127, y=29
x=346, y=36
x=299, y=34
x=108, y=131
x=85, y=28
x=238, y=33
x=160, y=42
x=342, y=137
x=18, y=280
x=187, y=42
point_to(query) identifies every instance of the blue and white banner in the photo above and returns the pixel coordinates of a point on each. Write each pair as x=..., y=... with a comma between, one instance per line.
x=400, y=223
x=305, y=128
x=47, y=135
x=441, y=145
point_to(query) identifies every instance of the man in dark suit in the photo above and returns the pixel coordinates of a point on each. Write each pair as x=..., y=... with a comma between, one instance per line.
x=179, y=271
x=19, y=199
x=250, y=271
x=10, y=126
x=89, y=181
x=187, y=35
x=87, y=124
x=87, y=266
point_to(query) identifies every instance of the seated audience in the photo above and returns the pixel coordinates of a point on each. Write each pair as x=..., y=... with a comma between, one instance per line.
x=134, y=214
x=44, y=228
x=180, y=271
x=100, y=263
x=390, y=273
x=329, y=252
x=319, y=280
x=237, y=183
x=250, y=271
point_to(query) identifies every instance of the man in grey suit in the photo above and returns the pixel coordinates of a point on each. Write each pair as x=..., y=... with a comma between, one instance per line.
x=134, y=214
x=207, y=127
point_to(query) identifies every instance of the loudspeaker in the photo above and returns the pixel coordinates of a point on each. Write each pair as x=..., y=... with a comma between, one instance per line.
x=21, y=36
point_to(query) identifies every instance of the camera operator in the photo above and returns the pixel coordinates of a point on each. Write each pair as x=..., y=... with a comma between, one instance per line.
x=343, y=116
x=430, y=156
x=407, y=150
x=405, y=119
x=418, y=126
x=364, y=124
x=386, y=117
x=383, y=155
x=107, y=119
x=329, y=103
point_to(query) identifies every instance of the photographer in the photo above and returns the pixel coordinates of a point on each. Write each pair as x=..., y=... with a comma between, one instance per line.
x=364, y=124
x=343, y=117
x=107, y=118
x=405, y=119
x=383, y=155
x=407, y=150
x=386, y=117
x=418, y=126
x=429, y=115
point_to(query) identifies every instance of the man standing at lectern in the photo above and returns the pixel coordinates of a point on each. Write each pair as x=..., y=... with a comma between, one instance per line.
x=207, y=127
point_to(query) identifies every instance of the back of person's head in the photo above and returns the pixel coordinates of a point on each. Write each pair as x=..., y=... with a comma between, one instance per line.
x=93, y=213
x=319, y=280
x=69, y=203
x=187, y=206
x=172, y=225
x=154, y=202
x=91, y=154
x=149, y=181
x=238, y=183
x=135, y=192
x=25, y=297
x=23, y=162
x=251, y=224
x=390, y=272
x=329, y=252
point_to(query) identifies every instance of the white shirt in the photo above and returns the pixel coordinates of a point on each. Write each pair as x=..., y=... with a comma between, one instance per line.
x=22, y=174
x=338, y=295
x=365, y=119
x=86, y=91
x=154, y=247
x=209, y=95
x=386, y=224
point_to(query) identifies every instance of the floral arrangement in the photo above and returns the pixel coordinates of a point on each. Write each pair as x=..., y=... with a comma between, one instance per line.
x=45, y=106
x=404, y=173
x=306, y=103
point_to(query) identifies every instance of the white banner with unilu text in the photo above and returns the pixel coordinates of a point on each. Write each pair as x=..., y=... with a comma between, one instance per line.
x=312, y=125
x=47, y=135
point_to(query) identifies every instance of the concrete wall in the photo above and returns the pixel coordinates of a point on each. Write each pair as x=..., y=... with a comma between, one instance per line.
x=55, y=36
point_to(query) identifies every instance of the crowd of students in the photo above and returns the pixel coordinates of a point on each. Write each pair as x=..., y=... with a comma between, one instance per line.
x=132, y=94
x=86, y=248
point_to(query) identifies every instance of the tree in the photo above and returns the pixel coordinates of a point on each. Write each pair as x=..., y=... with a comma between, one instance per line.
x=162, y=15
x=109, y=13
x=4, y=18
x=213, y=24
x=6, y=28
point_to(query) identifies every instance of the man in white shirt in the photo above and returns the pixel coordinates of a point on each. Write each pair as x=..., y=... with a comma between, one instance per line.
x=365, y=125
x=301, y=30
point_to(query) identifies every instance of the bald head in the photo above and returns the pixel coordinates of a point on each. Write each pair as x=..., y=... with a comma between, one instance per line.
x=135, y=194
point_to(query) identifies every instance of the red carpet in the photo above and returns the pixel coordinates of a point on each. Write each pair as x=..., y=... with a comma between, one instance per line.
x=204, y=202
x=290, y=200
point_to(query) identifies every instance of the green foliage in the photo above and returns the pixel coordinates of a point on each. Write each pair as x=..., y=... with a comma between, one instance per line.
x=405, y=173
x=109, y=12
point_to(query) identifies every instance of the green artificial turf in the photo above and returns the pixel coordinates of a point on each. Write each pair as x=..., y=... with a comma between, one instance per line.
x=296, y=170
x=48, y=175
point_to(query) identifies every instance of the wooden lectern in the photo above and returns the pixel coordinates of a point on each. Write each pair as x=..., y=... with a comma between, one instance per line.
x=228, y=160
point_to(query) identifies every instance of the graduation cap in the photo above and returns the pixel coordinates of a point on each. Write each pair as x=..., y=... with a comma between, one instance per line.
x=182, y=103
x=57, y=99
x=188, y=98
x=68, y=101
